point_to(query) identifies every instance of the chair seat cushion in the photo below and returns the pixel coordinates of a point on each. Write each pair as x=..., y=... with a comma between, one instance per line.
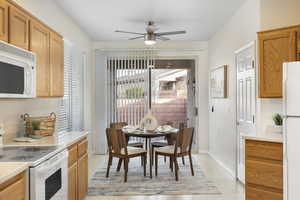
x=159, y=144
x=170, y=149
x=136, y=144
x=133, y=151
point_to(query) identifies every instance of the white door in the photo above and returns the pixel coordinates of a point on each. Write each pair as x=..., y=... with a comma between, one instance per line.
x=246, y=106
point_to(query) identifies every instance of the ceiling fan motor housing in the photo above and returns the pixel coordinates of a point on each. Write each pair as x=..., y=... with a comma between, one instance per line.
x=150, y=36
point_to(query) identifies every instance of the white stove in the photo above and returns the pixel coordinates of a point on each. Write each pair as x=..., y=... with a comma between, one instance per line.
x=48, y=173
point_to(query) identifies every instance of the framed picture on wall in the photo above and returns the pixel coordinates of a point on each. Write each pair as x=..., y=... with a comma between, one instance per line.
x=218, y=82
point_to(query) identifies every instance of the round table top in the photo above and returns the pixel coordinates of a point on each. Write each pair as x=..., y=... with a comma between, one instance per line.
x=148, y=134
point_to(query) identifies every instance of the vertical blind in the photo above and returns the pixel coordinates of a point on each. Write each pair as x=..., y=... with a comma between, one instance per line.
x=70, y=111
x=128, y=89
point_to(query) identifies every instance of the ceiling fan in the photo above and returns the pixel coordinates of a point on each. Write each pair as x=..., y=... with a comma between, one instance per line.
x=151, y=36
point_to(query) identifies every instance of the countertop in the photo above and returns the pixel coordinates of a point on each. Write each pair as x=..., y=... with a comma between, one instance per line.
x=64, y=140
x=271, y=137
x=8, y=170
x=11, y=169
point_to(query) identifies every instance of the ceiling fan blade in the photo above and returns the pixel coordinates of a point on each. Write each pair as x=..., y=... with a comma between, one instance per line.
x=163, y=38
x=135, y=38
x=171, y=33
x=117, y=31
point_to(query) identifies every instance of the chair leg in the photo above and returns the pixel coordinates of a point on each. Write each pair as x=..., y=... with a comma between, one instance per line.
x=165, y=158
x=125, y=169
x=156, y=161
x=183, y=162
x=119, y=164
x=145, y=161
x=171, y=163
x=176, y=168
x=191, y=163
x=108, y=166
x=151, y=155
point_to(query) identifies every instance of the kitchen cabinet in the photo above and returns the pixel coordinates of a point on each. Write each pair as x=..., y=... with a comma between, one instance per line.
x=72, y=180
x=56, y=65
x=82, y=177
x=275, y=48
x=39, y=44
x=13, y=189
x=264, y=170
x=3, y=21
x=18, y=27
x=78, y=170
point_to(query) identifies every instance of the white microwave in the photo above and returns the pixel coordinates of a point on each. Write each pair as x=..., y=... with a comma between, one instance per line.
x=17, y=72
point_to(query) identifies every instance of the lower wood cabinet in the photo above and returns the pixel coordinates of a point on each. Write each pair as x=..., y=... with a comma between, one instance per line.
x=72, y=174
x=264, y=170
x=82, y=177
x=14, y=189
x=78, y=170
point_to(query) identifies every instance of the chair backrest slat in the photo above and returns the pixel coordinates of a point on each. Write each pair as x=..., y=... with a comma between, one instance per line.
x=116, y=141
x=185, y=140
x=118, y=125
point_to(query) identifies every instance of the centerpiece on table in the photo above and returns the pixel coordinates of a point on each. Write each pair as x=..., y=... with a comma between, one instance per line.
x=149, y=122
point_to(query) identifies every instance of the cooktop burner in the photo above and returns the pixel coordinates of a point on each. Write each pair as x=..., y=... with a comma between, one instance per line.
x=25, y=154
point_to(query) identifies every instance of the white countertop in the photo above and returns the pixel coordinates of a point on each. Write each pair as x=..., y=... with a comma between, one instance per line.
x=10, y=169
x=70, y=138
x=271, y=137
x=65, y=140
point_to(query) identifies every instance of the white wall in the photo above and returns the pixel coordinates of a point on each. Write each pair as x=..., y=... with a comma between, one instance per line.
x=279, y=13
x=237, y=32
x=55, y=17
x=174, y=49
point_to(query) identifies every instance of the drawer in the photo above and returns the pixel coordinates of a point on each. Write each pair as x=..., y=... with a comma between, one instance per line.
x=14, y=191
x=253, y=193
x=265, y=174
x=82, y=147
x=73, y=154
x=266, y=150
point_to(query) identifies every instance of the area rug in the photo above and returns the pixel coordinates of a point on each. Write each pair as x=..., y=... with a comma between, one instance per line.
x=163, y=184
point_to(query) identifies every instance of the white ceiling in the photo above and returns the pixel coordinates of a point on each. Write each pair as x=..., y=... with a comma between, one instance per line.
x=100, y=18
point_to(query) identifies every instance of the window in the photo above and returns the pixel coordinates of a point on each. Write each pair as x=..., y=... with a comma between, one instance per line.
x=70, y=111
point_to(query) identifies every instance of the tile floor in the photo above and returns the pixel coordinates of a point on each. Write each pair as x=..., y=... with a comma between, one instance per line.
x=230, y=188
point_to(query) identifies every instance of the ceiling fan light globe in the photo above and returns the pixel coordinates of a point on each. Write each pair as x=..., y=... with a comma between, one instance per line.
x=150, y=42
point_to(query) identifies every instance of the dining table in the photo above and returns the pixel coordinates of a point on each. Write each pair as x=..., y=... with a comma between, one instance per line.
x=148, y=135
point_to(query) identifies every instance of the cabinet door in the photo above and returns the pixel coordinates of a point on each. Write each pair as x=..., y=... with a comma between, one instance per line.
x=3, y=21
x=275, y=48
x=72, y=182
x=39, y=43
x=56, y=66
x=15, y=191
x=82, y=177
x=18, y=28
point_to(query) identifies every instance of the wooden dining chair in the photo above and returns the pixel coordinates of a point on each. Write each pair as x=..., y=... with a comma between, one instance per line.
x=117, y=146
x=170, y=140
x=182, y=147
x=120, y=125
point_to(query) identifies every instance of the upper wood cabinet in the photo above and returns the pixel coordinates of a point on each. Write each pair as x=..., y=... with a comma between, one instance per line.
x=3, y=21
x=56, y=65
x=18, y=27
x=39, y=44
x=275, y=48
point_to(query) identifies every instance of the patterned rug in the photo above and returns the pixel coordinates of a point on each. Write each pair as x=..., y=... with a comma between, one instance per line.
x=163, y=184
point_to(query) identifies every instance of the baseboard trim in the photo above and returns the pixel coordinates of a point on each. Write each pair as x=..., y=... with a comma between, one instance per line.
x=230, y=172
